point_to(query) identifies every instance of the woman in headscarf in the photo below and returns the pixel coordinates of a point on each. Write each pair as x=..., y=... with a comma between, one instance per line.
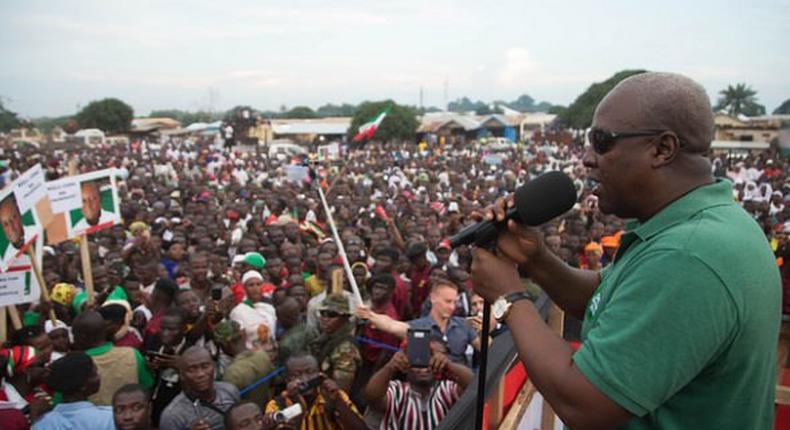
x=257, y=318
x=361, y=275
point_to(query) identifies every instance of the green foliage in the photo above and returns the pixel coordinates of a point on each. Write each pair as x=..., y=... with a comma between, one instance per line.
x=465, y=105
x=184, y=117
x=336, y=110
x=46, y=124
x=400, y=124
x=524, y=103
x=8, y=119
x=110, y=115
x=580, y=113
x=783, y=109
x=558, y=110
x=740, y=99
x=300, y=112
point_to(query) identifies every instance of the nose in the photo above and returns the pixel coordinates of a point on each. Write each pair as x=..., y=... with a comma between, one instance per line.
x=589, y=158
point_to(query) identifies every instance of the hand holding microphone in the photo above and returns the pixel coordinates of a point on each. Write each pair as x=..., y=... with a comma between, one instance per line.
x=540, y=200
x=509, y=223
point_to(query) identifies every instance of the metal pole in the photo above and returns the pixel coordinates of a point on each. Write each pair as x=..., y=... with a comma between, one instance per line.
x=482, y=369
x=340, y=248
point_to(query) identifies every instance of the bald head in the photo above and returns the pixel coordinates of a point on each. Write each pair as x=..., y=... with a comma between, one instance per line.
x=664, y=101
x=195, y=354
x=89, y=330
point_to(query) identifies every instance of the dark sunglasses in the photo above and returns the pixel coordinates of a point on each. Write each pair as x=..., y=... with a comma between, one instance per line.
x=603, y=140
x=330, y=314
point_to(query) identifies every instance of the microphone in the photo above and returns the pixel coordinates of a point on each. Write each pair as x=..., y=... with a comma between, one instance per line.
x=539, y=200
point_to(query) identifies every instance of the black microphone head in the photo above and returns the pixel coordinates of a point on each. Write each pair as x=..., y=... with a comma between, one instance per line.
x=545, y=197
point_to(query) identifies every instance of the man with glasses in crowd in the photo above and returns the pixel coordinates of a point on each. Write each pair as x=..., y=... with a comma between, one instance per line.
x=680, y=330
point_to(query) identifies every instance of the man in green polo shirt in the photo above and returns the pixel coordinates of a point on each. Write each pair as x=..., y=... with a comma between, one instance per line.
x=680, y=329
x=117, y=365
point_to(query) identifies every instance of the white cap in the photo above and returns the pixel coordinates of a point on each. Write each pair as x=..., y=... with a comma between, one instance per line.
x=251, y=274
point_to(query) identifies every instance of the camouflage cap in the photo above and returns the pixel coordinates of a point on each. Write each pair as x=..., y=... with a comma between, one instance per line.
x=226, y=330
x=336, y=303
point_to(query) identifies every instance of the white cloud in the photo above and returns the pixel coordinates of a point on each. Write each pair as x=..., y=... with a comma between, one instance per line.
x=517, y=68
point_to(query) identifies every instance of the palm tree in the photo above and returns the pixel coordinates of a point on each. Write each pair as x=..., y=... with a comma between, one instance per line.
x=740, y=99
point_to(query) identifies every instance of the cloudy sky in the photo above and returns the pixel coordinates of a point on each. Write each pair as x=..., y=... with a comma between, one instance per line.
x=60, y=55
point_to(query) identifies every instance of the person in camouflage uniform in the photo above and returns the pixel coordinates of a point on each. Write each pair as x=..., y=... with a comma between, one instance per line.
x=334, y=346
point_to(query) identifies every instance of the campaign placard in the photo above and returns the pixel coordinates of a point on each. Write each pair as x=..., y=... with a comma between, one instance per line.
x=24, y=211
x=18, y=284
x=83, y=204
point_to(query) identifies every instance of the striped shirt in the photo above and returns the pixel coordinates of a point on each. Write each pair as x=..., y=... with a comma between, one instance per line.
x=317, y=417
x=408, y=410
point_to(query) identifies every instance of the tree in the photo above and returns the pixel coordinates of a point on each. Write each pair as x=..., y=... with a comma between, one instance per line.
x=580, y=113
x=184, y=117
x=300, y=112
x=484, y=109
x=740, y=99
x=400, y=124
x=46, y=124
x=465, y=105
x=523, y=103
x=8, y=119
x=110, y=115
x=783, y=109
x=336, y=110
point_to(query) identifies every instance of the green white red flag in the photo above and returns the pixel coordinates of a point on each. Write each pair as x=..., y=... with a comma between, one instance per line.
x=369, y=128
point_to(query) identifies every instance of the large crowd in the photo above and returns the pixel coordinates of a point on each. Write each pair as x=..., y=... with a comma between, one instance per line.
x=222, y=300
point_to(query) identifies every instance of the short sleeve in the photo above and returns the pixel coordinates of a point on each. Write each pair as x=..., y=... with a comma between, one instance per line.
x=168, y=421
x=395, y=395
x=470, y=333
x=663, y=323
x=143, y=376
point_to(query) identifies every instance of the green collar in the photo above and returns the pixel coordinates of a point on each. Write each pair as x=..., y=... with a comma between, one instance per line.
x=99, y=350
x=719, y=193
x=248, y=302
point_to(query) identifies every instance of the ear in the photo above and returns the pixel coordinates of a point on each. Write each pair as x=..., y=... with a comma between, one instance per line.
x=665, y=150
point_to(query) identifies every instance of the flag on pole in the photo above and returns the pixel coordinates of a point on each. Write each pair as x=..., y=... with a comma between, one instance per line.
x=367, y=129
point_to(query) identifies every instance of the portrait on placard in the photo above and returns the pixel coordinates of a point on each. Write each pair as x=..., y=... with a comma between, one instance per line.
x=83, y=204
x=22, y=204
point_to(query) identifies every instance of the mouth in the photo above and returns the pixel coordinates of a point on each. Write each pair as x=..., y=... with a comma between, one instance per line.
x=595, y=184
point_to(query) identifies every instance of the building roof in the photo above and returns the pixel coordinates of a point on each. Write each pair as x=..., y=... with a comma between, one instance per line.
x=335, y=125
x=538, y=118
x=737, y=144
x=430, y=122
x=501, y=119
x=89, y=132
x=142, y=125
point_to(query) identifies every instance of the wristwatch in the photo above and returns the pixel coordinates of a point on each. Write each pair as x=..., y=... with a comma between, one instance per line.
x=501, y=307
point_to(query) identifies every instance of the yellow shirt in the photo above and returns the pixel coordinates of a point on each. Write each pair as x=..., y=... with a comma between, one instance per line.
x=316, y=418
x=314, y=286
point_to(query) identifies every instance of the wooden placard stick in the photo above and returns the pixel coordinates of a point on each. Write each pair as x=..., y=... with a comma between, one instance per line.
x=3, y=325
x=87, y=271
x=85, y=256
x=13, y=313
x=37, y=271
